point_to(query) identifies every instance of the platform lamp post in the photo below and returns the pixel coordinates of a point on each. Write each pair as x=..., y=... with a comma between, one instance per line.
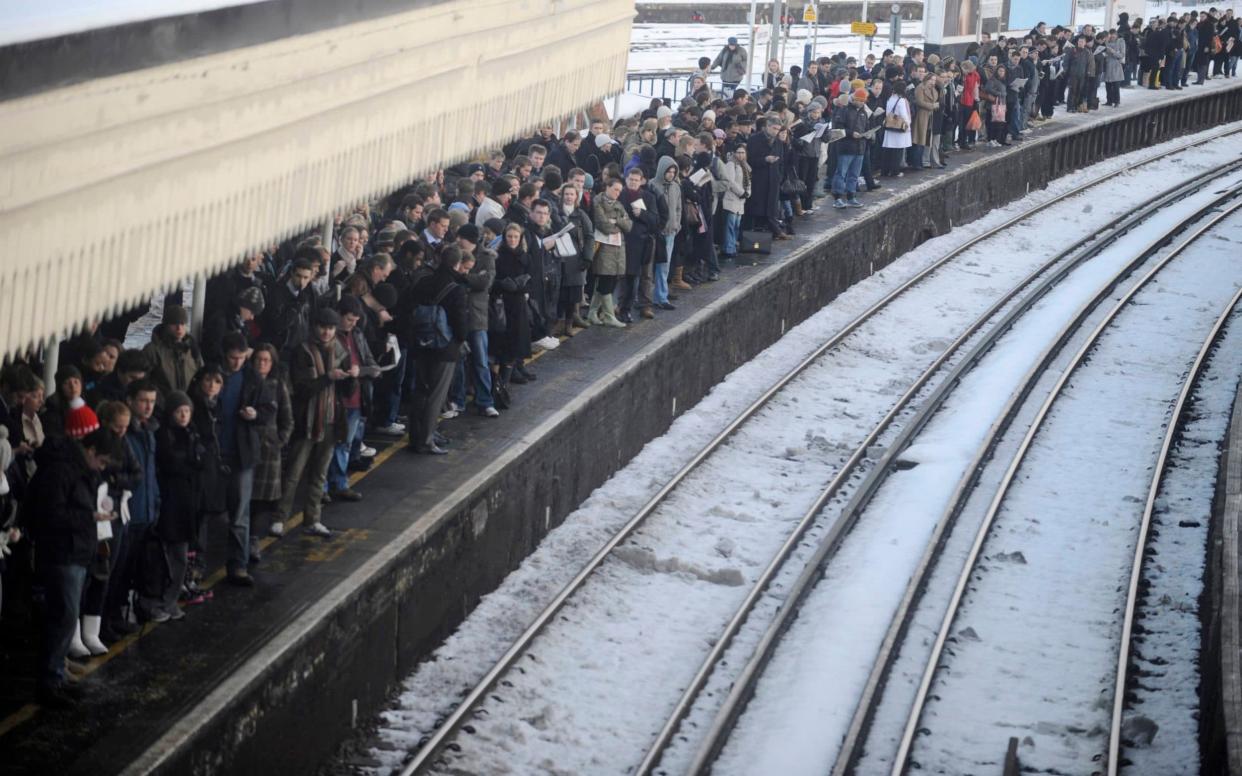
x=774, y=45
x=198, y=301
x=750, y=52
x=862, y=39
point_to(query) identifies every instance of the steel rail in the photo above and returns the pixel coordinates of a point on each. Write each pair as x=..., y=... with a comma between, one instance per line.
x=743, y=687
x=912, y=720
x=1149, y=508
x=454, y=721
x=851, y=749
x=686, y=702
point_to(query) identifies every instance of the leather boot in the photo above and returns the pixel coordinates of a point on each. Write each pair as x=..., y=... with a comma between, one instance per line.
x=677, y=282
x=609, y=313
x=597, y=305
x=578, y=320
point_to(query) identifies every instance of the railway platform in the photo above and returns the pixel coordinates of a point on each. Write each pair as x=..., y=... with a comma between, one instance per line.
x=271, y=680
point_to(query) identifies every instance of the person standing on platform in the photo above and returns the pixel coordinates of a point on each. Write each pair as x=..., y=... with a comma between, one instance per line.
x=441, y=327
x=320, y=370
x=733, y=66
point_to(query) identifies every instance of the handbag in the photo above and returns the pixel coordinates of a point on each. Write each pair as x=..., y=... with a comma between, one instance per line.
x=974, y=123
x=793, y=186
x=755, y=242
x=496, y=320
x=999, y=112
x=896, y=123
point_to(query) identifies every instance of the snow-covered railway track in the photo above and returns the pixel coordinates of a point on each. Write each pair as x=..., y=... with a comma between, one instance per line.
x=1039, y=650
x=743, y=667
x=633, y=545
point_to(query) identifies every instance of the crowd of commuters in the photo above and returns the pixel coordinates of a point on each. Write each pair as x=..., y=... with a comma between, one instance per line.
x=432, y=302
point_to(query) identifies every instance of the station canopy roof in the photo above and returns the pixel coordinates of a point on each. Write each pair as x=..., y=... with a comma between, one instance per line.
x=141, y=149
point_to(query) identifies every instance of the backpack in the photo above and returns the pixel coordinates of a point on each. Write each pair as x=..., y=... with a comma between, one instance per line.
x=430, y=324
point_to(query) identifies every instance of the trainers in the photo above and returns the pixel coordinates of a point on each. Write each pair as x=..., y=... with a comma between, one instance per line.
x=547, y=343
x=318, y=529
x=241, y=578
x=392, y=429
x=449, y=414
x=490, y=412
x=367, y=452
x=839, y=204
x=346, y=494
x=277, y=529
x=175, y=613
x=156, y=615
x=852, y=202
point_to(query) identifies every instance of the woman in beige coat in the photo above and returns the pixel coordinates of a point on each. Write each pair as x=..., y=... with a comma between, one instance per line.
x=611, y=223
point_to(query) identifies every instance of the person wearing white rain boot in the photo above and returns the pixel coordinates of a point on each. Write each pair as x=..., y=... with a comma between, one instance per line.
x=611, y=224
x=77, y=647
x=90, y=636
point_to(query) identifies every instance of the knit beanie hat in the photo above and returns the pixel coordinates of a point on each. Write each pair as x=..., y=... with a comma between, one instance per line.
x=494, y=225
x=469, y=232
x=663, y=112
x=804, y=96
x=177, y=399
x=603, y=139
x=251, y=299
x=66, y=372
x=860, y=95
x=709, y=115
x=175, y=315
x=80, y=420
x=858, y=83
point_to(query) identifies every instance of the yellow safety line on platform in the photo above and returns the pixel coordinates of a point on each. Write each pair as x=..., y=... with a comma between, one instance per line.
x=321, y=554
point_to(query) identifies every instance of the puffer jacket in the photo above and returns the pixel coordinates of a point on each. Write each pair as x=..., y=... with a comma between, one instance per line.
x=61, y=504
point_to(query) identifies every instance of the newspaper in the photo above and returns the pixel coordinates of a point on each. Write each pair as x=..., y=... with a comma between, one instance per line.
x=701, y=177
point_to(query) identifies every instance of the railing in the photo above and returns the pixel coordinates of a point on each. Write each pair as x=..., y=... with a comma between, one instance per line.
x=671, y=85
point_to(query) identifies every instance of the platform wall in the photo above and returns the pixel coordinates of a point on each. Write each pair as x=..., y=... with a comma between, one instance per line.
x=341, y=658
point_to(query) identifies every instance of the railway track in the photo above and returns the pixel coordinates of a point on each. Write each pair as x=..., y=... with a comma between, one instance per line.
x=429, y=753
x=989, y=527
x=741, y=684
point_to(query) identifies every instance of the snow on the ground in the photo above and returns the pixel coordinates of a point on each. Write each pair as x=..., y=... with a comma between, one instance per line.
x=1035, y=641
x=677, y=47
x=811, y=687
x=1168, y=656
x=709, y=537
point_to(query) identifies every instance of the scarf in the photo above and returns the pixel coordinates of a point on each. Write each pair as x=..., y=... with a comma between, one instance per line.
x=319, y=413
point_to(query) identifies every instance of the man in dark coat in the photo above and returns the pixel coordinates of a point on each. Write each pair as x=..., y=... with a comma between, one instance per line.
x=64, y=506
x=288, y=319
x=640, y=244
x=434, y=366
x=763, y=151
x=247, y=404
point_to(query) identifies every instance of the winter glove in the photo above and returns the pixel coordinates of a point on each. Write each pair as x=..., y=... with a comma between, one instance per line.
x=125, y=497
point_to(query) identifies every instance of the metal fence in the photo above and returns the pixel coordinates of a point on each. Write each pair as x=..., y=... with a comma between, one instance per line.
x=669, y=85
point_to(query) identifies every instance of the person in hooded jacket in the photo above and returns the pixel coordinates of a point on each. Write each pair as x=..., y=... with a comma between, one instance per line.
x=173, y=354
x=64, y=506
x=668, y=188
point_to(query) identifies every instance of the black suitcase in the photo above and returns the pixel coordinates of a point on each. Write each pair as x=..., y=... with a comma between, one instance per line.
x=755, y=242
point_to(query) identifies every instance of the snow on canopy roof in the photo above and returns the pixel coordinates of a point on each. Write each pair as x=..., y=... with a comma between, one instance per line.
x=25, y=22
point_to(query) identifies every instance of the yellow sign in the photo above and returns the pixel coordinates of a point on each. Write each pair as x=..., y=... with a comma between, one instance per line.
x=808, y=14
x=866, y=29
